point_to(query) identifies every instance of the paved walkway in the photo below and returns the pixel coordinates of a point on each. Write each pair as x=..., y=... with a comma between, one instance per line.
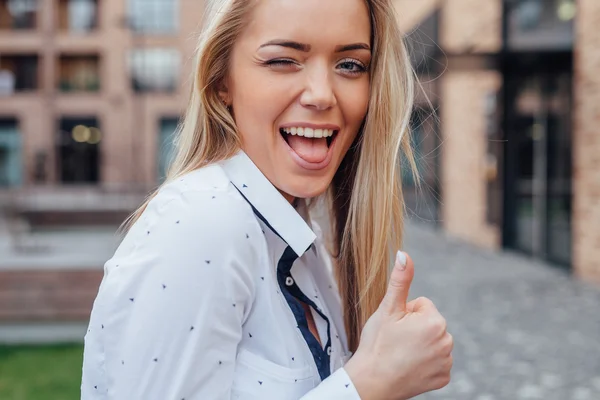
x=522, y=329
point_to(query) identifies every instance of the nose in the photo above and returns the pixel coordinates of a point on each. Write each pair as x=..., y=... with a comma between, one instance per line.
x=318, y=93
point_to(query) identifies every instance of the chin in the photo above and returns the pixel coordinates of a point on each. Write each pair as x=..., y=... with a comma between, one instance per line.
x=306, y=187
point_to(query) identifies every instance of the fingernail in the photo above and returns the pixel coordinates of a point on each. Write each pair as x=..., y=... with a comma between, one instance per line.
x=401, y=259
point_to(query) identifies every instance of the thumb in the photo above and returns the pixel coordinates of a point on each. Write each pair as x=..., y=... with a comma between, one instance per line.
x=394, y=301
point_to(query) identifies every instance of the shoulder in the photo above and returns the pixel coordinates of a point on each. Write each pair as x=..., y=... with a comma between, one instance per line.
x=197, y=231
x=196, y=218
x=203, y=202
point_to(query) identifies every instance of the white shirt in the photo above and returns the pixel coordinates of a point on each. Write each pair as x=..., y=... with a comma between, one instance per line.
x=200, y=300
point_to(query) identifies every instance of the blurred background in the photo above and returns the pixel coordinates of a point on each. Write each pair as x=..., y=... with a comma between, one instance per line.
x=505, y=227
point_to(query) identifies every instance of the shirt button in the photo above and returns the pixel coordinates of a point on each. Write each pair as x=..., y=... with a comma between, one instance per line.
x=329, y=351
x=289, y=281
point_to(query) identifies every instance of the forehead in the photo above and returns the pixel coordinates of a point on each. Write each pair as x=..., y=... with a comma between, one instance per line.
x=314, y=22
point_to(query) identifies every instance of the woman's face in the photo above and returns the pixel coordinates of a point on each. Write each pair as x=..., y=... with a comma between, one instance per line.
x=299, y=87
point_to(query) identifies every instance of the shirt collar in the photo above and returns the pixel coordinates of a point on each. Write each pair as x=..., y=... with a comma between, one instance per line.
x=269, y=202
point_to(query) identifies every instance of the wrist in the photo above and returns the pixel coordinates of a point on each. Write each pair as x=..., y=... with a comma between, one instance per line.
x=363, y=380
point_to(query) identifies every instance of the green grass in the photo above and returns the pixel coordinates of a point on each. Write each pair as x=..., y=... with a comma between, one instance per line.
x=40, y=372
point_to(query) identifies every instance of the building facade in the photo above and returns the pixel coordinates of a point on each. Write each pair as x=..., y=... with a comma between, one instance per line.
x=91, y=89
x=506, y=136
x=517, y=102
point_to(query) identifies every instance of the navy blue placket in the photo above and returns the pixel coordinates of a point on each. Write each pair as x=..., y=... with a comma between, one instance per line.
x=293, y=295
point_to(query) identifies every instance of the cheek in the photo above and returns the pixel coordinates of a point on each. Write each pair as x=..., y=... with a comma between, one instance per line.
x=355, y=104
x=258, y=101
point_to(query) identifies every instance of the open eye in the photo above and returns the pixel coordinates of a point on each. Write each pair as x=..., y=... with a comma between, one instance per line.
x=352, y=66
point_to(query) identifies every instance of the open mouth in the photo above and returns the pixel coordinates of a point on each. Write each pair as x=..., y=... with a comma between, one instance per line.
x=311, y=148
x=315, y=135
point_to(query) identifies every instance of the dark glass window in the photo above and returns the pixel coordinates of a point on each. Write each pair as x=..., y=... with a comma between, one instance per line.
x=422, y=200
x=10, y=153
x=18, y=73
x=78, y=150
x=79, y=73
x=423, y=46
x=540, y=24
x=18, y=14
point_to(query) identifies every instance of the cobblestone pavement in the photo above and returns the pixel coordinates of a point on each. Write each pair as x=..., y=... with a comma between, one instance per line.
x=522, y=329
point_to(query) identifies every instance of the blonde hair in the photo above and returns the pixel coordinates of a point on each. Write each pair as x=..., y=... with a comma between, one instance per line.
x=365, y=196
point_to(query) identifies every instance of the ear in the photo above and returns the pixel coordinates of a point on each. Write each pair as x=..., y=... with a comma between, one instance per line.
x=223, y=90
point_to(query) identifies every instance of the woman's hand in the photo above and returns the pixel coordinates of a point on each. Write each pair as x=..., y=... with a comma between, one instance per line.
x=404, y=348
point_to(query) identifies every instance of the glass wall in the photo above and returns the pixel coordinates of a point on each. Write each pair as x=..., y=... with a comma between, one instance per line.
x=538, y=74
x=539, y=161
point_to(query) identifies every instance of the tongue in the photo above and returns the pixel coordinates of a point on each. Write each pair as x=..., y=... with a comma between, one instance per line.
x=311, y=150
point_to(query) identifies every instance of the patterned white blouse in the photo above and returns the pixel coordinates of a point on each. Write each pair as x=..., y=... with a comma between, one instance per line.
x=202, y=299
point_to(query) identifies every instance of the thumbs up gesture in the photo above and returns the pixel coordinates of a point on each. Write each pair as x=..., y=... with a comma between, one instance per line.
x=404, y=347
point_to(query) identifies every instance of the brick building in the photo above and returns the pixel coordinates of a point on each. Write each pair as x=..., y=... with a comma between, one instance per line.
x=90, y=91
x=515, y=85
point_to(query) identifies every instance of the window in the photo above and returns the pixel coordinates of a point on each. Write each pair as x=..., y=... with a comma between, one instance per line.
x=78, y=153
x=540, y=24
x=424, y=140
x=79, y=16
x=423, y=46
x=154, y=16
x=79, y=73
x=154, y=70
x=10, y=153
x=423, y=199
x=166, y=147
x=18, y=14
x=18, y=73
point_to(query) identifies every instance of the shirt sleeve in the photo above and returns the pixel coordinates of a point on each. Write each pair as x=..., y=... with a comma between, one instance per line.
x=177, y=302
x=337, y=386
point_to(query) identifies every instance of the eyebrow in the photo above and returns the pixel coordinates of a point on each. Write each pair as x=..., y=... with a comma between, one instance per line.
x=306, y=47
x=353, y=46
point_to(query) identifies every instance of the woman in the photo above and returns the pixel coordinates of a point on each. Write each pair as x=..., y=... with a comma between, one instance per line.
x=222, y=287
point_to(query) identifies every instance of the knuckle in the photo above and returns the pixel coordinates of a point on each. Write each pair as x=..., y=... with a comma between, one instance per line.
x=426, y=301
x=438, y=323
x=446, y=380
x=443, y=324
x=442, y=381
x=449, y=343
x=448, y=363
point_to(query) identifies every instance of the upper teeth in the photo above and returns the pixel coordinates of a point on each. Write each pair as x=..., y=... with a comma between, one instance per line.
x=309, y=132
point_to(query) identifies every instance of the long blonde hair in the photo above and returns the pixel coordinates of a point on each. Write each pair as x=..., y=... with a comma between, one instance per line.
x=365, y=196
